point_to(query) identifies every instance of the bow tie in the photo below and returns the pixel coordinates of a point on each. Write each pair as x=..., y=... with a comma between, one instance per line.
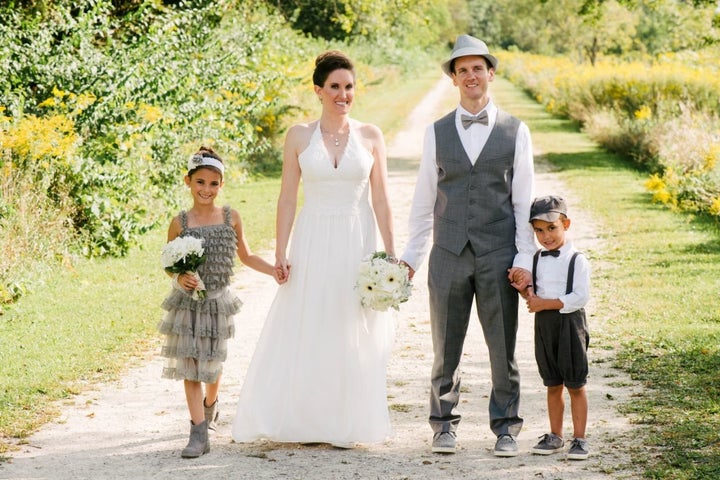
x=552, y=253
x=468, y=120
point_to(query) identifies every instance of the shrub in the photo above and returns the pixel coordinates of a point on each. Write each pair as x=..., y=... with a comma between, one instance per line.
x=138, y=98
x=99, y=114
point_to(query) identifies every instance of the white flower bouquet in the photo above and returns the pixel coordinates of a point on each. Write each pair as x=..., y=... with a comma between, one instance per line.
x=381, y=283
x=185, y=255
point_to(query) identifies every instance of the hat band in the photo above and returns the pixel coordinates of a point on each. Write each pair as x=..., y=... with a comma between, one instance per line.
x=199, y=160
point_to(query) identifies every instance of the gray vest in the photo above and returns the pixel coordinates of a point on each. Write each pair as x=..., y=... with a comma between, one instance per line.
x=474, y=202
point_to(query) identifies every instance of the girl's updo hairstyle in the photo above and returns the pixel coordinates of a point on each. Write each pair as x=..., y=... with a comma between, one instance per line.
x=196, y=161
x=328, y=62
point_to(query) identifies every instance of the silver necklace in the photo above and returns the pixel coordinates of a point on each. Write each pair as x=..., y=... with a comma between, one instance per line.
x=335, y=137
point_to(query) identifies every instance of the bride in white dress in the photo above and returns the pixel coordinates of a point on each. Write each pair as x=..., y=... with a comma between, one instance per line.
x=318, y=371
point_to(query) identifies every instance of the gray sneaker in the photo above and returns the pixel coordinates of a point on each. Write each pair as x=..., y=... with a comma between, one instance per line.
x=578, y=449
x=443, y=442
x=505, y=446
x=549, y=443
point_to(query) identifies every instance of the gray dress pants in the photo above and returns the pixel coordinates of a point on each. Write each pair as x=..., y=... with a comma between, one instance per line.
x=454, y=282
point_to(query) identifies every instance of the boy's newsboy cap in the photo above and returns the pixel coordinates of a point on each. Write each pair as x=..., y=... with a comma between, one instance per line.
x=548, y=208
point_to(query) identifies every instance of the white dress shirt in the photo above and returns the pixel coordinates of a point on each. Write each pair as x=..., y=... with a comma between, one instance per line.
x=552, y=279
x=473, y=139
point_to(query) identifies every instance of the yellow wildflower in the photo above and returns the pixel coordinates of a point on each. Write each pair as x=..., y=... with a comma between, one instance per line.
x=50, y=102
x=643, y=113
x=655, y=183
x=715, y=206
x=58, y=93
x=150, y=113
x=662, y=196
x=712, y=157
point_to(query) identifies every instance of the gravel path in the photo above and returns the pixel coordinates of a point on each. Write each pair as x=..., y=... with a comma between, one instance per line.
x=136, y=427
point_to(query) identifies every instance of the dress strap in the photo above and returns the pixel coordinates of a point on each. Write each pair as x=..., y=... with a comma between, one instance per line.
x=227, y=216
x=183, y=220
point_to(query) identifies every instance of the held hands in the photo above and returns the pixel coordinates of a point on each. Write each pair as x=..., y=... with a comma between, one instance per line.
x=521, y=279
x=282, y=270
x=411, y=272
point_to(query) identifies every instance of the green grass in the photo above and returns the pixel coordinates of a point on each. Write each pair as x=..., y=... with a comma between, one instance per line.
x=657, y=279
x=84, y=324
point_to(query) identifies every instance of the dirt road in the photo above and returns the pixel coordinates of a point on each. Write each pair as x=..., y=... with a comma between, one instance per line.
x=136, y=427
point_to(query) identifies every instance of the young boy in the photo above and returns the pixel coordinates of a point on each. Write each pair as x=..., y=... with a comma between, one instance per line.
x=560, y=290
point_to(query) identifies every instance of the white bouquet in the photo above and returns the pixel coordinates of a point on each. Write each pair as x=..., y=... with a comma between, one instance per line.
x=381, y=283
x=185, y=255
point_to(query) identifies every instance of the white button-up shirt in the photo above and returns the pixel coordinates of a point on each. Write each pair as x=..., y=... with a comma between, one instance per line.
x=552, y=279
x=473, y=140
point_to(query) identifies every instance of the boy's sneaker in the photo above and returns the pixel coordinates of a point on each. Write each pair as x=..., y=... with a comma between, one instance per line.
x=549, y=443
x=578, y=449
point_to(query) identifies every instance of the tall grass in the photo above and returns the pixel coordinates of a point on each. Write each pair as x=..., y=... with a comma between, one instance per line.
x=661, y=114
x=36, y=232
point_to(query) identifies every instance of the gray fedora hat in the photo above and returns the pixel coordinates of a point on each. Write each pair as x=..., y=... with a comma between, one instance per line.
x=466, y=45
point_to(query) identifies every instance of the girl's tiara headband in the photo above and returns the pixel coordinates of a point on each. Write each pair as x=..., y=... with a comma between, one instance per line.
x=199, y=160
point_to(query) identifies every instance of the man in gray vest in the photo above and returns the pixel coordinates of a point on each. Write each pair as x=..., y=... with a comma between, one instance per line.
x=474, y=190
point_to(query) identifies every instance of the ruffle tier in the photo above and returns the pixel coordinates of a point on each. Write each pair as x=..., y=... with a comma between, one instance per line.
x=224, y=304
x=196, y=335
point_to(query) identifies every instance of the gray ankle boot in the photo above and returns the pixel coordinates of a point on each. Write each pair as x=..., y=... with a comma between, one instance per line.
x=199, y=443
x=212, y=413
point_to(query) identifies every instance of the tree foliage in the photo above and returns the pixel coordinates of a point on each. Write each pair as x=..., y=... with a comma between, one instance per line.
x=407, y=21
x=136, y=95
x=102, y=101
x=590, y=28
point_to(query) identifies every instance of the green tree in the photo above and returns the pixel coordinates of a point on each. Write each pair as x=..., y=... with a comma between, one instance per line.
x=418, y=22
x=673, y=25
x=591, y=28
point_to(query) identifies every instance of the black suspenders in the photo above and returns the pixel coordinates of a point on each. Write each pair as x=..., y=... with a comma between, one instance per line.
x=570, y=276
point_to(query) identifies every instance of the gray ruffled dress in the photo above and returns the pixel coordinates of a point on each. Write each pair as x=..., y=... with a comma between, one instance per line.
x=197, y=330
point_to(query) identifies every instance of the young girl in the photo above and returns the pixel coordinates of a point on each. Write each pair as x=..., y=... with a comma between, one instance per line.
x=197, y=330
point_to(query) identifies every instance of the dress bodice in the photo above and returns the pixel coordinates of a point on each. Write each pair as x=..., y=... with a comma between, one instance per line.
x=220, y=244
x=335, y=190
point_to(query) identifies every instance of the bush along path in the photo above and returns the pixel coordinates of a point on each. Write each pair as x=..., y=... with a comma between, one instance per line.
x=136, y=427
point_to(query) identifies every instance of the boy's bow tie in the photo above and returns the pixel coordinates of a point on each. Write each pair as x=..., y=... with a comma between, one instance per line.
x=552, y=253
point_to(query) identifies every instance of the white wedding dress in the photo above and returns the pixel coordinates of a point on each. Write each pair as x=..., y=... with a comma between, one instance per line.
x=318, y=371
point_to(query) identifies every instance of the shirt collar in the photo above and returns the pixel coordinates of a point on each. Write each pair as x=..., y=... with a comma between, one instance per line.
x=490, y=107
